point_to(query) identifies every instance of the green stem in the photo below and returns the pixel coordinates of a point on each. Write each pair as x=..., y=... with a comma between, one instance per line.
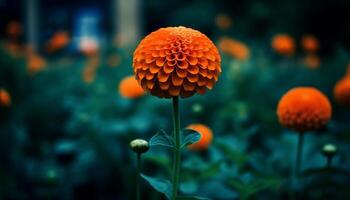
x=177, y=153
x=138, y=173
x=329, y=161
x=299, y=153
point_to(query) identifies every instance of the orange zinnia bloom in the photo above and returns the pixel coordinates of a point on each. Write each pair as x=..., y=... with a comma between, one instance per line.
x=58, y=41
x=312, y=61
x=5, y=98
x=234, y=48
x=113, y=60
x=206, y=136
x=309, y=43
x=342, y=91
x=304, y=109
x=130, y=88
x=14, y=29
x=283, y=44
x=89, y=71
x=176, y=61
x=223, y=21
x=35, y=63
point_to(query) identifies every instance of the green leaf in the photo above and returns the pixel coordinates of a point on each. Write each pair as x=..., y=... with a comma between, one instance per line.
x=191, y=198
x=161, y=185
x=211, y=170
x=190, y=137
x=161, y=139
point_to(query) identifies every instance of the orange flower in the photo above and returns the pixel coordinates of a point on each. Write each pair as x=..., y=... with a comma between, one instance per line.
x=113, y=60
x=342, y=91
x=206, y=136
x=5, y=98
x=130, y=88
x=58, y=41
x=304, y=109
x=312, y=61
x=283, y=44
x=89, y=71
x=14, y=29
x=13, y=48
x=35, y=63
x=309, y=43
x=223, y=21
x=234, y=48
x=176, y=61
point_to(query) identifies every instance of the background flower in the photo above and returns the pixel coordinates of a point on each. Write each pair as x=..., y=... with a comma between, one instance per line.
x=304, y=109
x=206, y=136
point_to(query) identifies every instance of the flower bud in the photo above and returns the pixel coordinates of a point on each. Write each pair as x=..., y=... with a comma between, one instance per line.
x=139, y=146
x=329, y=150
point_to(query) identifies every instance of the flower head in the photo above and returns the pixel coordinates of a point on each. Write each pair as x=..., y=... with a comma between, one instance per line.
x=312, y=61
x=304, y=109
x=342, y=91
x=283, y=44
x=329, y=150
x=234, y=48
x=130, y=88
x=309, y=43
x=206, y=136
x=35, y=63
x=176, y=61
x=223, y=21
x=139, y=146
x=13, y=29
x=5, y=98
x=58, y=41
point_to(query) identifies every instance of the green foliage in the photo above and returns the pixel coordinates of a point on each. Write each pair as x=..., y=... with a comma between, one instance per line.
x=160, y=185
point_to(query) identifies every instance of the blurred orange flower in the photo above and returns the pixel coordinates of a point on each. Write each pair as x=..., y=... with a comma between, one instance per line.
x=58, y=41
x=304, y=109
x=129, y=88
x=176, y=61
x=206, y=136
x=35, y=63
x=309, y=43
x=5, y=98
x=342, y=91
x=13, y=48
x=234, y=48
x=89, y=71
x=113, y=60
x=13, y=29
x=283, y=44
x=312, y=61
x=223, y=21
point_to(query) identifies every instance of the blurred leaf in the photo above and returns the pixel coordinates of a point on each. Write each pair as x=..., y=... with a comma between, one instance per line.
x=247, y=190
x=162, y=139
x=211, y=170
x=191, y=198
x=161, y=185
x=188, y=187
x=217, y=190
x=190, y=137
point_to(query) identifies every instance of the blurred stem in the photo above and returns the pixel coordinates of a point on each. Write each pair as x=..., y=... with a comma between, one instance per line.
x=299, y=153
x=138, y=171
x=177, y=153
x=329, y=161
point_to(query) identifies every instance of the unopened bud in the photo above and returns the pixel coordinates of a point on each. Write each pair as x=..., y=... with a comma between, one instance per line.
x=139, y=146
x=329, y=150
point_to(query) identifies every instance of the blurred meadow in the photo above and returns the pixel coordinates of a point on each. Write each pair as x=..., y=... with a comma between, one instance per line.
x=69, y=103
